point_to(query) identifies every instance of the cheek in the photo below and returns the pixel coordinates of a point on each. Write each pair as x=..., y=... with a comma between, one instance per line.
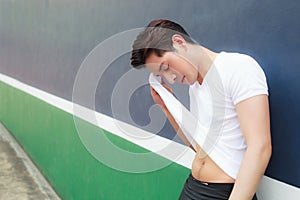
x=185, y=68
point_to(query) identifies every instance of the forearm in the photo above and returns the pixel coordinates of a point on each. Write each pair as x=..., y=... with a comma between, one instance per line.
x=252, y=169
x=176, y=127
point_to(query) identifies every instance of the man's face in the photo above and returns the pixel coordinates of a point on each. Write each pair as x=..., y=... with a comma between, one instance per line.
x=173, y=67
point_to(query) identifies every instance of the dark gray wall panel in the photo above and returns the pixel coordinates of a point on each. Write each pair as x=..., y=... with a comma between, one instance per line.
x=43, y=44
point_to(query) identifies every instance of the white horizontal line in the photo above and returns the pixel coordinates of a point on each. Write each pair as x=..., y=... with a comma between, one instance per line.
x=166, y=148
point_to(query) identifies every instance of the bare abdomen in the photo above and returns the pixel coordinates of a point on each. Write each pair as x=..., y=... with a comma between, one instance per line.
x=206, y=170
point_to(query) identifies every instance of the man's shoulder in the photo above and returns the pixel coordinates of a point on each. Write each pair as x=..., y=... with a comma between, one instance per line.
x=231, y=61
x=235, y=57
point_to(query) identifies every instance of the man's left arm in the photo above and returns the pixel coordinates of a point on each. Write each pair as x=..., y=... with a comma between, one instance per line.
x=254, y=118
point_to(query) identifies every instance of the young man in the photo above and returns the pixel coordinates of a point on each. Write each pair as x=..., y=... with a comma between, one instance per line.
x=167, y=51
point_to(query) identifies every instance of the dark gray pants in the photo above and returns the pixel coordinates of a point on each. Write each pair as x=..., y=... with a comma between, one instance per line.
x=197, y=190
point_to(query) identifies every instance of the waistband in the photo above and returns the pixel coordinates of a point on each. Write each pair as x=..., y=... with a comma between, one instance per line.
x=230, y=185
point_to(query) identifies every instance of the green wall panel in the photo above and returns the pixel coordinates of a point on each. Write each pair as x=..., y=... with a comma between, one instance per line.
x=49, y=136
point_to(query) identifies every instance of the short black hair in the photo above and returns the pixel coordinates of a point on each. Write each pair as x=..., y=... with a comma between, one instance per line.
x=157, y=38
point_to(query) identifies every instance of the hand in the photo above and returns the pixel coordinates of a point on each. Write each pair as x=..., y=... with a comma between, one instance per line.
x=156, y=98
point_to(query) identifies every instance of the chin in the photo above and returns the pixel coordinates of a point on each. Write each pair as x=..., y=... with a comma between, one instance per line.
x=191, y=82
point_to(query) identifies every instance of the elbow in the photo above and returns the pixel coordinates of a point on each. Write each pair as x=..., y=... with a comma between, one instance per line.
x=265, y=151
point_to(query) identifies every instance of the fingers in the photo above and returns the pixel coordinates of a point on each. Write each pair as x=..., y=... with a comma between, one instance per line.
x=153, y=91
x=167, y=87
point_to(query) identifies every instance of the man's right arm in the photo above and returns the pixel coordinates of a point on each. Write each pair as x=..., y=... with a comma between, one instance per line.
x=157, y=99
x=176, y=127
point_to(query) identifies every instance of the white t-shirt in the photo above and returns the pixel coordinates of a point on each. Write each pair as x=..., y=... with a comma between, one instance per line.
x=231, y=79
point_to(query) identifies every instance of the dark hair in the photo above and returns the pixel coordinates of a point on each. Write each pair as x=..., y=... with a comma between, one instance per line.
x=157, y=38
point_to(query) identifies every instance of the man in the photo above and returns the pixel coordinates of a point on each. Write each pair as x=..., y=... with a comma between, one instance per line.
x=167, y=51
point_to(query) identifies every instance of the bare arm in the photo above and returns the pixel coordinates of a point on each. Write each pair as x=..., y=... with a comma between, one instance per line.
x=157, y=99
x=177, y=128
x=253, y=114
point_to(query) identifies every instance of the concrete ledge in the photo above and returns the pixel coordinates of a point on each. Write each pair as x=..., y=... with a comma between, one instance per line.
x=19, y=177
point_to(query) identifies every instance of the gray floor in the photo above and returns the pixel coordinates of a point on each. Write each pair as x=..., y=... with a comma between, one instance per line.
x=19, y=178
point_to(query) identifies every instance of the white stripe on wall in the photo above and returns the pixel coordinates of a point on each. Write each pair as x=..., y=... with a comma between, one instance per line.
x=270, y=189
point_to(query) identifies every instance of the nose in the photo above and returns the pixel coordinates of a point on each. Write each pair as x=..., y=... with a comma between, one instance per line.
x=170, y=78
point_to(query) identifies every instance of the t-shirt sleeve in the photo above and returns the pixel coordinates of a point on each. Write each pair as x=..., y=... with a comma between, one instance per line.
x=248, y=80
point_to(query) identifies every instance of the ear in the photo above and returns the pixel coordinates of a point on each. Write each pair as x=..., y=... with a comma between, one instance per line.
x=179, y=42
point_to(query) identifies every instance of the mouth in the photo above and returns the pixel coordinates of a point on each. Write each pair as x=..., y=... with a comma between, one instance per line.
x=182, y=80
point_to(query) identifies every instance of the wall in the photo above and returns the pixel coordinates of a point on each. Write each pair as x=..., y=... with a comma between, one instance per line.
x=43, y=44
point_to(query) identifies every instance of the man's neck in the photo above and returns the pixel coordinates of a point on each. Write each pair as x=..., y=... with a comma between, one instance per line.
x=204, y=60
